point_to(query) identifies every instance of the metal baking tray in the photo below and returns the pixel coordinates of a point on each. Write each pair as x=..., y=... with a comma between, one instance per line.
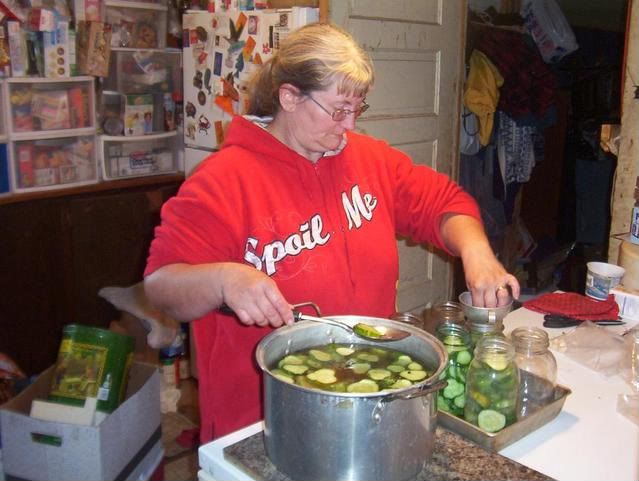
x=495, y=442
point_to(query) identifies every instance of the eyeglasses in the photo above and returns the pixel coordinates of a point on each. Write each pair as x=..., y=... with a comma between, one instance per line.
x=340, y=114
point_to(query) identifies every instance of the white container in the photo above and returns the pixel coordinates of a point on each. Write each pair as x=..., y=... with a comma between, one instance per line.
x=53, y=162
x=41, y=106
x=137, y=25
x=138, y=156
x=602, y=277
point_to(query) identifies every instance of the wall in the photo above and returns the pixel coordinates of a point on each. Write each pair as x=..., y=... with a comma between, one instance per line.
x=627, y=164
x=600, y=14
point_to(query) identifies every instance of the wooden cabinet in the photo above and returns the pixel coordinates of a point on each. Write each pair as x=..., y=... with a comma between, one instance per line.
x=58, y=252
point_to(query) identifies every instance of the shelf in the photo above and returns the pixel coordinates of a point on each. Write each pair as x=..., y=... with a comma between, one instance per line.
x=99, y=187
x=139, y=5
x=138, y=138
x=51, y=134
x=47, y=80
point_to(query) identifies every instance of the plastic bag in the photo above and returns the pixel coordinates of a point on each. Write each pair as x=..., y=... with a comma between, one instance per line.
x=596, y=348
x=549, y=29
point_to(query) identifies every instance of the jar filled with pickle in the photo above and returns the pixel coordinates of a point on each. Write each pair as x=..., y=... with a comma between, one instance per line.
x=480, y=329
x=456, y=340
x=537, y=369
x=492, y=385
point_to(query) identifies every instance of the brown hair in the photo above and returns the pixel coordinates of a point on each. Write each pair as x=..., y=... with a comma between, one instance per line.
x=311, y=58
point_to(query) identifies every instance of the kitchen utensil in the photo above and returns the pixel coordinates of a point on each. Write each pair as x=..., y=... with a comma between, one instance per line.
x=313, y=435
x=557, y=320
x=370, y=332
x=483, y=314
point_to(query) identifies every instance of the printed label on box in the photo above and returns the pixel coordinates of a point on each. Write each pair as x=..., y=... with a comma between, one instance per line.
x=138, y=114
x=56, y=51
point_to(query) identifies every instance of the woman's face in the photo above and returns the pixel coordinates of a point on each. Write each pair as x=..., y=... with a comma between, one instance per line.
x=315, y=130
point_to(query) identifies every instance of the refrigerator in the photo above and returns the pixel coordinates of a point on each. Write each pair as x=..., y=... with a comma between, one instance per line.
x=221, y=50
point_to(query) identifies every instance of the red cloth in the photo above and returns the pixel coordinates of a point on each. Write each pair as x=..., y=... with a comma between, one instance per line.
x=324, y=232
x=574, y=305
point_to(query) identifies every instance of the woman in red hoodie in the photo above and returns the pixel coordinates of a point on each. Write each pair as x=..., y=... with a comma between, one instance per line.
x=296, y=207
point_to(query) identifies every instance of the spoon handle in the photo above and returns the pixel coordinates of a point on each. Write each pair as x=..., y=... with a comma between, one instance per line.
x=303, y=317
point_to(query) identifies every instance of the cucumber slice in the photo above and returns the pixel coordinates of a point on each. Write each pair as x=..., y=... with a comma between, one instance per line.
x=491, y=421
x=313, y=363
x=413, y=375
x=403, y=360
x=368, y=357
x=304, y=382
x=378, y=374
x=480, y=398
x=360, y=367
x=453, y=389
x=344, y=351
x=460, y=401
x=415, y=366
x=295, y=360
x=324, y=376
x=463, y=357
x=395, y=368
x=366, y=331
x=320, y=355
x=365, y=385
x=401, y=384
x=497, y=362
x=442, y=405
x=453, y=341
x=283, y=376
x=294, y=368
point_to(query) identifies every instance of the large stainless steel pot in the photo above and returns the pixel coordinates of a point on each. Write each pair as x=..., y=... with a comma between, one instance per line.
x=312, y=435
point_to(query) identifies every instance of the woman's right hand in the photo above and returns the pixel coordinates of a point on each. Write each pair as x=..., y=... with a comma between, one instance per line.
x=254, y=296
x=187, y=292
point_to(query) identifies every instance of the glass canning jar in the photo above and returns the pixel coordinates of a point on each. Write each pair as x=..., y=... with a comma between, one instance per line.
x=492, y=385
x=456, y=340
x=409, y=318
x=538, y=369
x=479, y=329
x=448, y=311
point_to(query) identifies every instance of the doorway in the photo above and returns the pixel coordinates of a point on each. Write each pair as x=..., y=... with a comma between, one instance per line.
x=547, y=227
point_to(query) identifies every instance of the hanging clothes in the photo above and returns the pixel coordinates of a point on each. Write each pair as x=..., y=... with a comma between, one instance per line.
x=529, y=83
x=481, y=94
x=515, y=149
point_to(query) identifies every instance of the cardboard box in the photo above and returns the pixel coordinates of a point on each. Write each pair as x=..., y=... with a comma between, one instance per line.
x=93, y=49
x=628, y=301
x=45, y=450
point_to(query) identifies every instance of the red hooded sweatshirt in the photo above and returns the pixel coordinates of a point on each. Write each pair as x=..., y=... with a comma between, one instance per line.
x=325, y=232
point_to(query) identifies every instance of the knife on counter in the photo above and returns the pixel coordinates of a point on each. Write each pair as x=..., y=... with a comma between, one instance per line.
x=557, y=320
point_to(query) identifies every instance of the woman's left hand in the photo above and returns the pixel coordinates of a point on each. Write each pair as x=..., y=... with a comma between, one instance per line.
x=490, y=285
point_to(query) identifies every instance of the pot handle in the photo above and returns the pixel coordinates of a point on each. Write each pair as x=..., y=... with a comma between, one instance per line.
x=418, y=391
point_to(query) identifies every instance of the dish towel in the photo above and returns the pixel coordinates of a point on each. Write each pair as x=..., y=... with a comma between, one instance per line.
x=574, y=305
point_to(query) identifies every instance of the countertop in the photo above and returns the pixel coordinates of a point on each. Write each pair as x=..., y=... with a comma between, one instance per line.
x=454, y=458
